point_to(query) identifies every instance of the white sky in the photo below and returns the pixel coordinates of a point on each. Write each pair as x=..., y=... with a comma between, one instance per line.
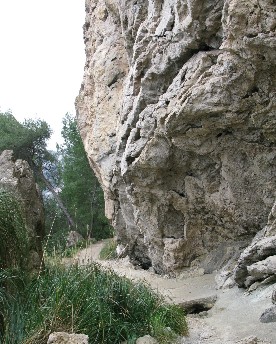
x=41, y=59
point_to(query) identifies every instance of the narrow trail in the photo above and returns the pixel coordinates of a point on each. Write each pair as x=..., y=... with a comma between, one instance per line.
x=234, y=319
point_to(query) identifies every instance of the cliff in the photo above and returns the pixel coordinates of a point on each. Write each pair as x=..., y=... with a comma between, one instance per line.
x=177, y=115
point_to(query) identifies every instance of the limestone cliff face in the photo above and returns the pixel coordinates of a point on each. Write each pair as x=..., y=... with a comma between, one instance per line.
x=177, y=114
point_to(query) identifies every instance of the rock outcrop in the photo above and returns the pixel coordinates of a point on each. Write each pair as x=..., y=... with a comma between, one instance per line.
x=17, y=178
x=257, y=263
x=177, y=115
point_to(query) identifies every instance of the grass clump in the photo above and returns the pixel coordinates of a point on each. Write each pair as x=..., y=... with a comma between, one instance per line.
x=108, y=250
x=69, y=252
x=108, y=308
x=13, y=232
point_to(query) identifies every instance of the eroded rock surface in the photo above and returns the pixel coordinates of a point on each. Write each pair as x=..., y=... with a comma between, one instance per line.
x=177, y=115
x=257, y=262
x=17, y=177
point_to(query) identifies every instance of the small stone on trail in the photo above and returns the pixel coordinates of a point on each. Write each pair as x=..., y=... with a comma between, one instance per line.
x=273, y=296
x=66, y=338
x=248, y=340
x=269, y=315
x=146, y=340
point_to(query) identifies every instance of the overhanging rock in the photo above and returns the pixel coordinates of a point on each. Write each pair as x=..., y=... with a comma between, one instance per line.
x=177, y=115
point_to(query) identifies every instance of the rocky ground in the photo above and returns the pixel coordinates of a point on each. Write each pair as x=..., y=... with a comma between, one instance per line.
x=233, y=318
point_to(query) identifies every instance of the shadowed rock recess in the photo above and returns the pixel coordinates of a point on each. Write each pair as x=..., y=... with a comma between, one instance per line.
x=177, y=115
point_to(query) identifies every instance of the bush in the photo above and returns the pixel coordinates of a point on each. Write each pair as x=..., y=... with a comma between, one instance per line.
x=106, y=307
x=13, y=233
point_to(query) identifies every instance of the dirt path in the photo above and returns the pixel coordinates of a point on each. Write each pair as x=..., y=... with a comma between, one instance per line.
x=233, y=319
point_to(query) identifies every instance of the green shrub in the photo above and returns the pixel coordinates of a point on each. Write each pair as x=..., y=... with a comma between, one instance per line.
x=106, y=307
x=55, y=242
x=13, y=233
x=167, y=322
x=69, y=252
x=108, y=250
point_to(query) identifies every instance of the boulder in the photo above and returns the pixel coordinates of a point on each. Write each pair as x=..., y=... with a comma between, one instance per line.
x=177, y=115
x=146, y=340
x=66, y=338
x=199, y=305
x=73, y=238
x=264, y=268
x=17, y=178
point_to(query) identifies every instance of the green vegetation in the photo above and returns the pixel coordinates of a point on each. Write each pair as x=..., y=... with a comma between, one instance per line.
x=79, y=190
x=28, y=140
x=73, y=250
x=80, y=187
x=13, y=234
x=109, y=250
x=106, y=307
x=72, y=195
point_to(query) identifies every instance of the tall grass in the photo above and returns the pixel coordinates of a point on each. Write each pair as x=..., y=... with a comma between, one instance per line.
x=106, y=307
x=108, y=250
x=13, y=233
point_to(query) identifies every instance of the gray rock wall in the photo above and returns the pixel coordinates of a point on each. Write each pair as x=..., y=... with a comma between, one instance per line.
x=177, y=115
x=17, y=177
x=257, y=263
